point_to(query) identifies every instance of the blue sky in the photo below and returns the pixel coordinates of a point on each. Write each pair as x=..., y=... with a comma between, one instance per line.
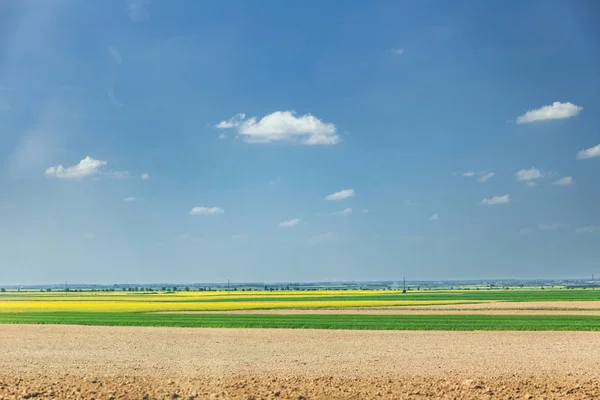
x=298, y=141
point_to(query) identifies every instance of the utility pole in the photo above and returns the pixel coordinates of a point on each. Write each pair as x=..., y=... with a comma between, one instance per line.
x=228, y=287
x=403, y=284
x=593, y=282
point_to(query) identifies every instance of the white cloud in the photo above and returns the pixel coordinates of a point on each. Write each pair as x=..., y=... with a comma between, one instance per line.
x=342, y=213
x=552, y=227
x=145, y=176
x=567, y=180
x=557, y=110
x=364, y=210
x=525, y=231
x=222, y=136
x=283, y=126
x=409, y=203
x=434, y=217
x=131, y=198
x=398, y=51
x=496, y=200
x=86, y=167
x=233, y=122
x=114, y=54
x=485, y=177
x=589, y=153
x=587, y=229
x=469, y=174
x=274, y=181
x=323, y=237
x=206, y=211
x=341, y=195
x=290, y=223
x=121, y=174
x=529, y=174
x=137, y=9
x=110, y=92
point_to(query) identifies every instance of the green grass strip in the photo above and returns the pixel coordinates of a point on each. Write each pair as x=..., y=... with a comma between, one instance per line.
x=471, y=322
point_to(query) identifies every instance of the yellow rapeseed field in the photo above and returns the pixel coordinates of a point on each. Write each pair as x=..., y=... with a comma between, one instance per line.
x=199, y=301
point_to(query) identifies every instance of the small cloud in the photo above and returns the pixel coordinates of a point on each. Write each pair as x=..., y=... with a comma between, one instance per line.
x=525, y=231
x=398, y=51
x=131, y=198
x=587, y=229
x=114, y=54
x=567, y=180
x=145, y=176
x=121, y=174
x=283, y=126
x=469, y=174
x=342, y=213
x=556, y=110
x=86, y=167
x=89, y=235
x=496, y=200
x=341, y=195
x=110, y=92
x=233, y=122
x=552, y=227
x=589, y=153
x=290, y=223
x=434, y=217
x=323, y=237
x=206, y=211
x=485, y=177
x=239, y=236
x=364, y=210
x=137, y=9
x=274, y=181
x=409, y=203
x=529, y=174
x=222, y=136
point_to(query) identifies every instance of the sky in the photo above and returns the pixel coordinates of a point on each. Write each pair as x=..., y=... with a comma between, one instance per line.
x=263, y=141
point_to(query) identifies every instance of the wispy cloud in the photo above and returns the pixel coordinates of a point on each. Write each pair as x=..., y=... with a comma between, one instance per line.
x=397, y=51
x=137, y=9
x=121, y=174
x=342, y=213
x=131, y=198
x=484, y=177
x=587, y=229
x=529, y=174
x=290, y=223
x=554, y=226
x=323, y=237
x=364, y=210
x=556, y=110
x=112, y=51
x=222, y=136
x=525, y=231
x=589, y=153
x=110, y=92
x=505, y=199
x=434, y=217
x=567, y=180
x=233, y=122
x=469, y=174
x=86, y=167
x=410, y=203
x=145, y=176
x=341, y=195
x=206, y=211
x=274, y=181
x=283, y=126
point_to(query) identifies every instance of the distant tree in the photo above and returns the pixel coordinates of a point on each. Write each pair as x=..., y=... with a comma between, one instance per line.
x=266, y=288
x=49, y=290
x=187, y=288
x=174, y=288
x=2, y=290
x=164, y=289
x=67, y=289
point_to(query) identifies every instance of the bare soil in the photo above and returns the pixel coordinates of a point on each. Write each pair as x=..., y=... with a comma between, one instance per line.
x=133, y=363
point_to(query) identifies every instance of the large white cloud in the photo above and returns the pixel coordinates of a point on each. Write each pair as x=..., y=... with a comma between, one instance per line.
x=496, y=200
x=341, y=195
x=290, y=223
x=86, y=167
x=556, y=110
x=529, y=174
x=283, y=126
x=206, y=211
x=589, y=153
